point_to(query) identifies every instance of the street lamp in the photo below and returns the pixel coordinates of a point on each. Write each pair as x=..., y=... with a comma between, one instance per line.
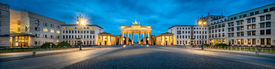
x=202, y=23
x=80, y=21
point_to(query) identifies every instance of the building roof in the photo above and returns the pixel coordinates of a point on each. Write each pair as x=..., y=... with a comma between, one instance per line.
x=85, y=25
x=181, y=25
x=166, y=33
x=105, y=33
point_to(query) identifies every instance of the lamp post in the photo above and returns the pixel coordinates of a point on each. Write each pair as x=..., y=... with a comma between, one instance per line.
x=81, y=22
x=200, y=23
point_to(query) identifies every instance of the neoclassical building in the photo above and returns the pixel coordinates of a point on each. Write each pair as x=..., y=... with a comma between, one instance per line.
x=135, y=28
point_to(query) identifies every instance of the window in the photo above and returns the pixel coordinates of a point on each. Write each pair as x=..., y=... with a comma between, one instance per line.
x=235, y=18
x=58, y=32
x=254, y=41
x=244, y=15
x=248, y=27
x=52, y=25
x=45, y=29
x=262, y=18
x=63, y=27
x=268, y=17
x=249, y=41
x=52, y=31
x=45, y=36
x=252, y=13
x=253, y=32
x=257, y=12
x=92, y=32
x=178, y=32
x=253, y=19
x=36, y=28
x=268, y=31
x=268, y=24
x=262, y=41
x=262, y=25
x=262, y=32
x=249, y=33
x=268, y=41
x=93, y=27
x=253, y=26
x=52, y=36
x=238, y=22
x=248, y=20
x=265, y=10
x=271, y=9
x=44, y=24
x=242, y=33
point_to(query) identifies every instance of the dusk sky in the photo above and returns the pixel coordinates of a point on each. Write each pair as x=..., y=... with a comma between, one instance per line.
x=111, y=14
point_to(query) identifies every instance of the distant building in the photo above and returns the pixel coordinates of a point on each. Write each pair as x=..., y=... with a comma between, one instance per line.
x=88, y=33
x=4, y=24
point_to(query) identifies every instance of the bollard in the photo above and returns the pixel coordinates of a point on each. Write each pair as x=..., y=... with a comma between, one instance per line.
x=257, y=52
x=262, y=49
x=250, y=49
x=33, y=53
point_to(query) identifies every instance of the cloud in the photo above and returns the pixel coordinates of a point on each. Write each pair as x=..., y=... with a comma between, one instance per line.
x=111, y=14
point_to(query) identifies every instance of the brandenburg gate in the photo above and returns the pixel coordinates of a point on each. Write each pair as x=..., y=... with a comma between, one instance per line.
x=135, y=28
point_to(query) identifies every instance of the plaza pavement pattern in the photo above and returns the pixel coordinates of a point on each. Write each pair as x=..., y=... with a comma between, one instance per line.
x=141, y=57
x=152, y=57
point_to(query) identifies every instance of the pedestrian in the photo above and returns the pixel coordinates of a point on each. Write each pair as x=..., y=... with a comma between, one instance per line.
x=184, y=45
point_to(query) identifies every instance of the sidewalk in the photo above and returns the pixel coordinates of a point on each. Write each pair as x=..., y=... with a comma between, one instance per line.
x=28, y=54
x=265, y=55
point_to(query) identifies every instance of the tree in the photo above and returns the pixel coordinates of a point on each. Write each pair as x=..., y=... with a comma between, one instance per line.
x=62, y=44
x=48, y=44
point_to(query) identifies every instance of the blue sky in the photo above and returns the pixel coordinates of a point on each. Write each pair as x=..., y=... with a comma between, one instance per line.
x=111, y=14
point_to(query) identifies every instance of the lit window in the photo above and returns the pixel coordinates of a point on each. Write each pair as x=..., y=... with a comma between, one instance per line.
x=63, y=27
x=93, y=27
x=90, y=27
x=52, y=31
x=69, y=27
x=45, y=29
x=58, y=32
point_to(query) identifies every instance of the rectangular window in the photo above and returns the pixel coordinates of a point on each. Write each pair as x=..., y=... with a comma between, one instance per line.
x=253, y=32
x=52, y=31
x=265, y=10
x=45, y=29
x=252, y=13
x=242, y=33
x=268, y=31
x=254, y=41
x=248, y=27
x=92, y=32
x=268, y=17
x=262, y=25
x=271, y=9
x=262, y=18
x=268, y=24
x=257, y=12
x=178, y=32
x=253, y=19
x=253, y=26
x=63, y=27
x=58, y=32
x=248, y=20
x=244, y=15
x=262, y=32
x=238, y=22
x=249, y=41
x=249, y=33
x=268, y=41
x=262, y=41
x=93, y=27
